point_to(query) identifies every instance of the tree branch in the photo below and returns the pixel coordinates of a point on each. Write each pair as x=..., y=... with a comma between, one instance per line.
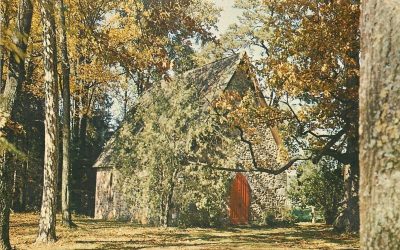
x=266, y=170
x=258, y=169
x=327, y=148
x=319, y=136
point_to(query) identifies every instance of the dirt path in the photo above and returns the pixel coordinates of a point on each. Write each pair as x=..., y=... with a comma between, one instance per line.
x=93, y=234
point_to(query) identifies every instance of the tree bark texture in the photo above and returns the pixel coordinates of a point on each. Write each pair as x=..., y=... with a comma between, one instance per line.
x=168, y=202
x=66, y=131
x=349, y=219
x=380, y=125
x=5, y=190
x=16, y=73
x=4, y=23
x=12, y=89
x=47, y=221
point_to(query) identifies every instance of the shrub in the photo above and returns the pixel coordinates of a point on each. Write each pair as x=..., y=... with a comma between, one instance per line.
x=320, y=186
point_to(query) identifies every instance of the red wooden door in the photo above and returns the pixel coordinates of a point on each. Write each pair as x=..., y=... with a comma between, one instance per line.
x=239, y=203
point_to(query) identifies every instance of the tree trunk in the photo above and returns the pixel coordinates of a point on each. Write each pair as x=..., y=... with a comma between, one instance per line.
x=14, y=190
x=168, y=202
x=24, y=180
x=47, y=222
x=16, y=74
x=5, y=176
x=380, y=125
x=66, y=131
x=348, y=219
x=12, y=89
x=125, y=103
x=5, y=21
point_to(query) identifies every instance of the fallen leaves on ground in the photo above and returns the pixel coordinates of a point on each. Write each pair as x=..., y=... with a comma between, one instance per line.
x=96, y=234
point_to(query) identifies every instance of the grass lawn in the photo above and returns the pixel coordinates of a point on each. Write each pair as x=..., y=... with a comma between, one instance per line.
x=94, y=234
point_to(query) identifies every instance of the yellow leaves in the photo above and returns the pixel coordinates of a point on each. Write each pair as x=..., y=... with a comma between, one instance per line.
x=245, y=112
x=327, y=94
x=227, y=100
x=324, y=68
x=317, y=57
x=302, y=115
x=283, y=155
x=3, y=120
x=95, y=72
x=123, y=36
x=146, y=14
x=164, y=15
x=8, y=40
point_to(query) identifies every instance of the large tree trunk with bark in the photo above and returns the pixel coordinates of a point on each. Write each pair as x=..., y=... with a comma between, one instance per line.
x=47, y=222
x=12, y=89
x=168, y=202
x=5, y=176
x=4, y=23
x=380, y=125
x=66, y=131
x=348, y=220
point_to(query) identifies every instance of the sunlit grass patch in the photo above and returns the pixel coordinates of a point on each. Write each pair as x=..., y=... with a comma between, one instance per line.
x=95, y=234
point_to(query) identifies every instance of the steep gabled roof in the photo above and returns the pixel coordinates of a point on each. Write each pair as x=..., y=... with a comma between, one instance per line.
x=211, y=79
x=213, y=76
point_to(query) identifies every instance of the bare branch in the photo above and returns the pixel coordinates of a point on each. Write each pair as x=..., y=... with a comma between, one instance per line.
x=255, y=169
x=266, y=170
x=291, y=110
x=327, y=148
x=300, y=122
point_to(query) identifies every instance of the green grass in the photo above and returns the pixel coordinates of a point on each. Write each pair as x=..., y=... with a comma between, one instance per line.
x=94, y=234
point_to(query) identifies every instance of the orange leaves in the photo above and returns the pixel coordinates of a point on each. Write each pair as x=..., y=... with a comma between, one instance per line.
x=316, y=43
x=96, y=72
x=228, y=100
x=245, y=112
x=313, y=59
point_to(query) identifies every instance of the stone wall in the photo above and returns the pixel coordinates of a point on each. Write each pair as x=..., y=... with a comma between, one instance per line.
x=269, y=196
x=109, y=201
x=268, y=192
